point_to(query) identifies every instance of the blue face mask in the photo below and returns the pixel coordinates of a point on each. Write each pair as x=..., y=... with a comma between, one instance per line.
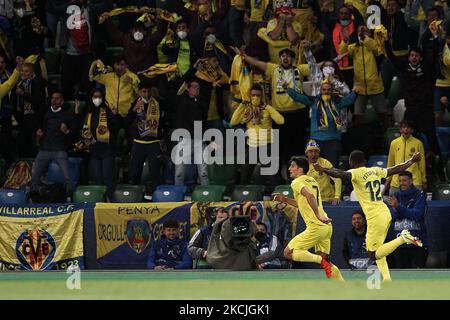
x=345, y=22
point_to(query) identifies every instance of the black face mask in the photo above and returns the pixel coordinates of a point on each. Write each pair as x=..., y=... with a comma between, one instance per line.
x=260, y=236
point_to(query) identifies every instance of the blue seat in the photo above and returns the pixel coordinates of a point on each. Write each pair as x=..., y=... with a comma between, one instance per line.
x=443, y=136
x=13, y=196
x=167, y=195
x=55, y=174
x=171, y=187
x=378, y=161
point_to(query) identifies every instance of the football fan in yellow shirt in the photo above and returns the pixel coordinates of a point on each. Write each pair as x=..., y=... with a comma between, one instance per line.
x=318, y=226
x=367, y=185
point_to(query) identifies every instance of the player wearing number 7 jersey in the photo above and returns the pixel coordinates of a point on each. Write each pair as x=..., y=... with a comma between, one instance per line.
x=318, y=226
x=367, y=186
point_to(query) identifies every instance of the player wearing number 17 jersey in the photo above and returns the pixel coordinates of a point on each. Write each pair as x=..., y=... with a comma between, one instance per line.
x=367, y=186
x=318, y=226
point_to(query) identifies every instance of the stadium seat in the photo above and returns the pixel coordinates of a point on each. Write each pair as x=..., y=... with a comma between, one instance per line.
x=91, y=194
x=12, y=196
x=343, y=163
x=208, y=193
x=55, y=174
x=2, y=169
x=391, y=134
x=170, y=187
x=443, y=136
x=127, y=193
x=52, y=58
x=285, y=190
x=111, y=54
x=167, y=195
x=247, y=193
x=221, y=174
x=441, y=192
x=378, y=161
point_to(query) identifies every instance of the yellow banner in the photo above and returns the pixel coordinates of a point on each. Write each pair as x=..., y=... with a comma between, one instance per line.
x=121, y=227
x=53, y=241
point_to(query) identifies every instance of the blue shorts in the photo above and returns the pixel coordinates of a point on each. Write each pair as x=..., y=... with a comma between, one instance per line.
x=440, y=92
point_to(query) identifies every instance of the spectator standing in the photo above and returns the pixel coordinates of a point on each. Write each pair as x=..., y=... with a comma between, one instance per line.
x=29, y=101
x=367, y=76
x=257, y=116
x=58, y=128
x=191, y=108
x=78, y=38
x=144, y=123
x=326, y=120
x=401, y=149
x=296, y=119
x=121, y=85
x=329, y=187
x=100, y=129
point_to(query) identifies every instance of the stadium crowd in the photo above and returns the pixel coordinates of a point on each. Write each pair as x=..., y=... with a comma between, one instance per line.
x=109, y=81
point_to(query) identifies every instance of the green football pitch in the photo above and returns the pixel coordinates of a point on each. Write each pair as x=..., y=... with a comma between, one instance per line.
x=193, y=285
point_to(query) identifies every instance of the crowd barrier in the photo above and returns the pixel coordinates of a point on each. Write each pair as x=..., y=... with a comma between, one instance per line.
x=119, y=236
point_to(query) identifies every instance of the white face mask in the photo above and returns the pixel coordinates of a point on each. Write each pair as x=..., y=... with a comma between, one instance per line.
x=20, y=12
x=56, y=109
x=211, y=38
x=138, y=36
x=182, y=34
x=97, y=101
x=328, y=70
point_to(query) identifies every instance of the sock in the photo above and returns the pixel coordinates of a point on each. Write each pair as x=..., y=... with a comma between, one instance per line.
x=388, y=248
x=305, y=256
x=336, y=273
x=384, y=269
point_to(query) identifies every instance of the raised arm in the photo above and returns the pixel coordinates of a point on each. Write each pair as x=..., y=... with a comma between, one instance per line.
x=253, y=61
x=333, y=172
x=403, y=166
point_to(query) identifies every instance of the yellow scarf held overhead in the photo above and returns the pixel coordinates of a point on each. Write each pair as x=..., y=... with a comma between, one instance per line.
x=159, y=68
x=380, y=37
x=241, y=79
x=147, y=14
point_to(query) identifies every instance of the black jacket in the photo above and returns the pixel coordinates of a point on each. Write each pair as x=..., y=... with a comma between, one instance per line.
x=54, y=139
x=35, y=97
x=190, y=110
x=418, y=82
x=398, y=30
x=131, y=123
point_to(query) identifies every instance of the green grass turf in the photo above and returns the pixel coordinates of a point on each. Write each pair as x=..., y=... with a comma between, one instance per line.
x=284, y=285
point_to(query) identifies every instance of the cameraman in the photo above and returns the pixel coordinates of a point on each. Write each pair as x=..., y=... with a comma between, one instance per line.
x=231, y=245
x=199, y=242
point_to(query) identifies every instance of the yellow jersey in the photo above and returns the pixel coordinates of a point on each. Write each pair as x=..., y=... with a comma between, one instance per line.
x=327, y=189
x=304, y=208
x=367, y=185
